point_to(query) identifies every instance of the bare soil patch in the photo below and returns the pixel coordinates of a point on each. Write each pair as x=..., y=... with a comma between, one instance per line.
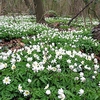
x=12, y=44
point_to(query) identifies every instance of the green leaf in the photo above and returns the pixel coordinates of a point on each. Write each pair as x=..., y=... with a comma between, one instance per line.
x=69, y=93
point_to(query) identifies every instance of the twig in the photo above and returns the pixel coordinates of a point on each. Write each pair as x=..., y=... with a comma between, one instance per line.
x=80, y=12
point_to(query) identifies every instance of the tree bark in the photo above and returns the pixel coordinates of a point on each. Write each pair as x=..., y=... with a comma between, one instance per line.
x=0, y=6
x=39, y=11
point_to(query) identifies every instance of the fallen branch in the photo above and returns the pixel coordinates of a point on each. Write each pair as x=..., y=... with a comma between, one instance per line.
x=80, y=12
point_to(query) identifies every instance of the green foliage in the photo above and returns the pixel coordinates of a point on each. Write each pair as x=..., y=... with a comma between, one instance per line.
x=53, y=65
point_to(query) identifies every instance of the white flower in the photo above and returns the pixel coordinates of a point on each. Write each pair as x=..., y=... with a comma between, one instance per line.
x=83, y=79
x=76, y=59
x=5, y=65
x=2, y=66
x=82, y=62
x=0, y=57
x=35, y=68
x=59, y=70
x=58, y=53
x=74, y=70
x=54, y=61
x=36, y=56
x=61, y=96
x=29, y=80
x=68, y=61
x=89, y=58
x=75, y=64
x=60, y=57
x=71, y=67
x=88, y=68
x=49, y=56
x=47, y=86
x=29, y=59
x=28, y=65
x=92, y=55
x=54, y=69
x=13, y=60
x=18, y=59
x=48, y=92
x=81, y=91
x=44, y=59
x=29, y=51
x=76, y=78
x=35, y=64
x=93, y=77
x=68, y=53
x=46, y=49
x=99, y=84
x=26, y=93
x=20, y=88
x=49, y=67
x=96, y=44
x=6, y=80
x=96, y=67
x=81, y=74
x=95, y=72
x=58, y=66
x=13, y=67
x=95, y=61
x=60, y=91
x=9, y=52
x=4, y=57
x=41, y=67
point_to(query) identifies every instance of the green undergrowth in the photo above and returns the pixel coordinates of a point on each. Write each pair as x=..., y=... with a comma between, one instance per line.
x=52, y=65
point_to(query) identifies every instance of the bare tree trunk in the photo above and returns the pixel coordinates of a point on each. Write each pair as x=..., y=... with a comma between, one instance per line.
x=0, y=6
x=39, y=11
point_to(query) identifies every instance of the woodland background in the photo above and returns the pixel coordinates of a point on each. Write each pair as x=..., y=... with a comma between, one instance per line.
x=60, y=7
